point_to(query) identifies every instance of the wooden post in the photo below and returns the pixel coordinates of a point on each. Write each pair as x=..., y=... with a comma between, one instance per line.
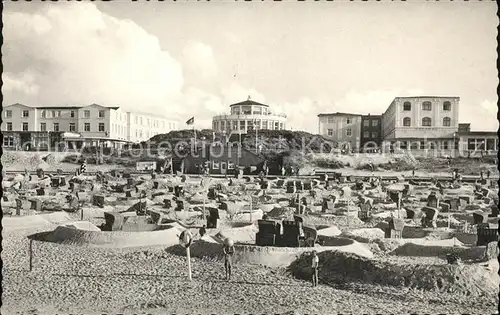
x=251, y=209
x=204, y=216
x=81, y=211
x=449, y=220
x=31, y=255
x=188, y=255
x=399, y=203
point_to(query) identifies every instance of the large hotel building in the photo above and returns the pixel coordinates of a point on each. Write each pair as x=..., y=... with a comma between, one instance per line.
x=419, y=123
x=27, y=127
x=247, y=116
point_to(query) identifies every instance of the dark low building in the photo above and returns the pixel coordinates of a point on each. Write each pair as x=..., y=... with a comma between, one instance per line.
x=371, y=132
x=219, y=159
x=33, y=140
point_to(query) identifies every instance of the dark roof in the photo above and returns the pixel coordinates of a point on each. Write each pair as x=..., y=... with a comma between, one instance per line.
x=371, y=116
x=63, y=106
x=58, y=107
x=248, y=102
x=338, y=114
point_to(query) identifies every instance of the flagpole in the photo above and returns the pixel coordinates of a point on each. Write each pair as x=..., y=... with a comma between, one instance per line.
x=194, y=131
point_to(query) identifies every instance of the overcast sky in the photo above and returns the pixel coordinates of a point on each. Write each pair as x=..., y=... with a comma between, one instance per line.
x=194, y=59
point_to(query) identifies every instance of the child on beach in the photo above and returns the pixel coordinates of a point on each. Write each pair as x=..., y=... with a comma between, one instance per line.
x=315, y=264
x=228, y=254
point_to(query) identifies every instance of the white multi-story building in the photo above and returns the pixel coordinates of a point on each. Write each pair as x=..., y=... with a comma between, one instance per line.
x=421, y=121
x=247, y=116
x=78, y=125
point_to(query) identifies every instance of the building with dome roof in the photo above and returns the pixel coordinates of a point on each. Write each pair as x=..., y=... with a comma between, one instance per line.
x=247, y=116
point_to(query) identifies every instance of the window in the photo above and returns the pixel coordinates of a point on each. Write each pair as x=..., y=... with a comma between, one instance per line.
x=101, y=114
x=86, y=114
x=406, y=106
x=58, y=113
x=230, y=165
x=25, y=126
x=72, y=114
x=445, y=145
x=9, y=126
x=8, y=141
x=149, y=122
x=72, y=127
x=366, y=134
x=44, y=114
x=366, y=123
x=281, y=126
x=414, y=145
x=56, y=126
x=490, y=144
x=242, y=125
x=8, y=113
x=101, y=127
x=235, y=125
x=26, y=113
x=349, y=132
x=374, y=123
x=276, y=126
x=403, y=145
x=426, y=122
x=446, y=121
x=86, y=127
x=446, y=106
x=348, y=121
x=330, y=132
x=426, y=105
x=43, y=127
x=422, y=145
x=215, y=165
x=374, y=134
x=407, y=122
x=330, y=120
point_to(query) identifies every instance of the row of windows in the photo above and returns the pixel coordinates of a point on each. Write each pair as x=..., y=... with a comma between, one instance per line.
x=156, y=123
x=348, y=121
x=366, y=134
x=57, y=113
x=86, y=127
x=481, y=144
x=366, y=123
x=54, y=113
x=422, y=145
x=427, y=106
x=55, y=127
x=427, y=122
x=25, y=113
x=224, y=125
x=348, y=132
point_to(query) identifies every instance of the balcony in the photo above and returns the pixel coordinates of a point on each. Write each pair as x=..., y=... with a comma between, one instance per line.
x=249, y=115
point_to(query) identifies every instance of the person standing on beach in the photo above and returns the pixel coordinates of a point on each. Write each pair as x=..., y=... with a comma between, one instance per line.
x=228, y=255
x=315, y=265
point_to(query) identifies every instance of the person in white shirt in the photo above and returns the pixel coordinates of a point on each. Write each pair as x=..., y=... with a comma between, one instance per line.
x=315, y=264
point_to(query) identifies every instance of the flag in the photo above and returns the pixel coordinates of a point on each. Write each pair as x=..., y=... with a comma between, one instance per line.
x=190, y=121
